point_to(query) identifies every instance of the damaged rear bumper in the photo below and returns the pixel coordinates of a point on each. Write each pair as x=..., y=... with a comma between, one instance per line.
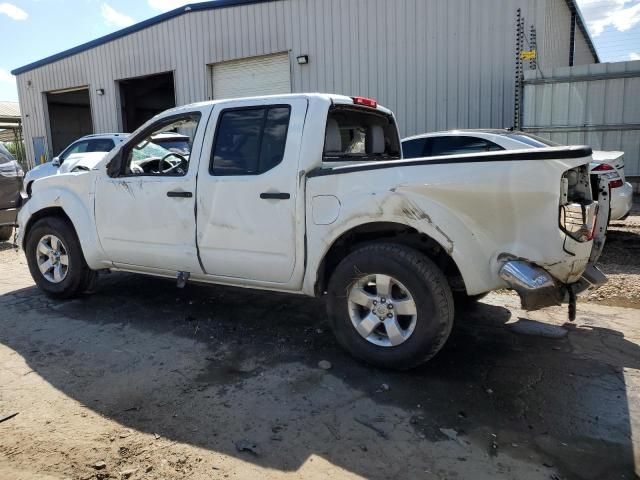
x=538, y=289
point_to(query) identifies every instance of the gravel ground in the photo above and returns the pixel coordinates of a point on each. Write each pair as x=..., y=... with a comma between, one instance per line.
x=143, y=381
x=621, y=263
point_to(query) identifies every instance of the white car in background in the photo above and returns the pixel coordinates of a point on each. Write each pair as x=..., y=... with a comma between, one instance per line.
x=98, y=143
x=457, y=142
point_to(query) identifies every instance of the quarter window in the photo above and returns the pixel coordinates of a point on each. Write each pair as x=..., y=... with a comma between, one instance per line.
x=250, y=141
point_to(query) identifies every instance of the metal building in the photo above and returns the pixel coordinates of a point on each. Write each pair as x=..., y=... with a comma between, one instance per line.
x=438, y=64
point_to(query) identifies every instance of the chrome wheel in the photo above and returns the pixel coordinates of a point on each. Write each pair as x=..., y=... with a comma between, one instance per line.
x=382, y=310
x=52, y=259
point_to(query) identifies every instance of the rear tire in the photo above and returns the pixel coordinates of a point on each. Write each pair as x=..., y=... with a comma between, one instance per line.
x=418, y=289
x=5, y=233
x=69, y=280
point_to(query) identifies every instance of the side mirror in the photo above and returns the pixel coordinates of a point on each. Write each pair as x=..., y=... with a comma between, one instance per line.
x=56, y=161
x=113, y=167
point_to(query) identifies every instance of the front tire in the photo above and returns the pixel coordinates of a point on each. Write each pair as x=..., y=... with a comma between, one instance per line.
x=390, y=306
x=55, y=259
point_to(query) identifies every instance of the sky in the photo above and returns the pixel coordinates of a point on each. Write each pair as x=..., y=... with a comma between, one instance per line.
x=39, y=28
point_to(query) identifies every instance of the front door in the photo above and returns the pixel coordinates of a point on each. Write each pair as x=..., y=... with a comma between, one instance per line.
x=145, y=208
x=249, y=214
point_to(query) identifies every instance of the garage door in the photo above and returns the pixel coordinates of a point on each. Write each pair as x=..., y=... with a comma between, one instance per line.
x=267, y=75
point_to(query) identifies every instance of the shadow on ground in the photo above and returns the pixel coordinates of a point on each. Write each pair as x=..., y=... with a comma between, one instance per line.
x=213, y=366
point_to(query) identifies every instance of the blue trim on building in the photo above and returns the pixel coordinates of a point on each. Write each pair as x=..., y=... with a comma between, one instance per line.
x=196, y=7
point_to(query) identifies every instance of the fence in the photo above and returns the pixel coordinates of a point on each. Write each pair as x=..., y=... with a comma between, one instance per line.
x=596, y=105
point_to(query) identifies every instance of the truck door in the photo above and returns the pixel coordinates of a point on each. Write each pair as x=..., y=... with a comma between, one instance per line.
x=249, y=192
x=145, y=206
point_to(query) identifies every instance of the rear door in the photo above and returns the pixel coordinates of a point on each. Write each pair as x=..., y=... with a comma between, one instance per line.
x=248, y=192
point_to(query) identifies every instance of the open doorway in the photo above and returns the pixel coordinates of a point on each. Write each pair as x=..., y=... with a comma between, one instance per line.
x=69, y=117
x=144, y=97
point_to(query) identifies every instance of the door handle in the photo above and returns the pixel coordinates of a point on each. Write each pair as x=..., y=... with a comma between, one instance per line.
x=275, y=196
x=179, y=194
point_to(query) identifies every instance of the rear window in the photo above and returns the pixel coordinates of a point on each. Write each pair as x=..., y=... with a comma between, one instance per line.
x=460, y=145
x=354, y=133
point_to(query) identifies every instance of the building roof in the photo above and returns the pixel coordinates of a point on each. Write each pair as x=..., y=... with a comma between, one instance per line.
x=194, y=7
x=212, y=5
x=573, y=6
x=9, y=111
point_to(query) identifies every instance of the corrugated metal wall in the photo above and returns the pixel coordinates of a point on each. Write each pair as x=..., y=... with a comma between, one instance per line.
x=596, y=105
x=582, y=54
x=554, y=51
x=438, y=64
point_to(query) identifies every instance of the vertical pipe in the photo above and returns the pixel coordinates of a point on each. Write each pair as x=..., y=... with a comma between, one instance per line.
x=572, y=38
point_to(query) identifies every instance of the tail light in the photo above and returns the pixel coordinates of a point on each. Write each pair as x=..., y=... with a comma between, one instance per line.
x=603, y=168
x=578, y=220
x=365, y=102
x=616, y=184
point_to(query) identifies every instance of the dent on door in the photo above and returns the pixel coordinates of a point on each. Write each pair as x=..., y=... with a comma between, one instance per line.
x=248, y=206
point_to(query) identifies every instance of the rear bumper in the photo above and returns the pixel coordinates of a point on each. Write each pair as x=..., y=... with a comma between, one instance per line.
x=538, y=289
x=621, y=201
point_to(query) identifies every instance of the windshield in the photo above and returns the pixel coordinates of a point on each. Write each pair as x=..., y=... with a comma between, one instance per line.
x=360, y=134
x=176, y=145
x=146, y=150
x=531, y=140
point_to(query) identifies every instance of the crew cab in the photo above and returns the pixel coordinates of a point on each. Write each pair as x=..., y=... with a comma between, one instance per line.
x=309, y=194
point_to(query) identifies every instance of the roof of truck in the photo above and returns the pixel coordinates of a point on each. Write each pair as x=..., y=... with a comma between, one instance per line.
x=330, y=97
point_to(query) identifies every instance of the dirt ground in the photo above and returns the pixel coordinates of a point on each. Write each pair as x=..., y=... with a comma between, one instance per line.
x=621, y=263
x=144, y=381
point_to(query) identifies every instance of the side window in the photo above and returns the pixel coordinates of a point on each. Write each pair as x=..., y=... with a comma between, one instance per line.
x=414, y=148
x=100, y=145
x=5, y=155
x=78, y=147
x=461, y=145
x=148, y=157
x=250, y=141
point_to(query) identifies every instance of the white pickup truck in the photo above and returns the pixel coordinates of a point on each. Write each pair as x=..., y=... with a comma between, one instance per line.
x=309, y=194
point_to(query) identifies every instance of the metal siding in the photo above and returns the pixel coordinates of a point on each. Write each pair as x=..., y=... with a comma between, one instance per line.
x=582, y=54
x=603, y=112
x=557, y=34
x=437, y=64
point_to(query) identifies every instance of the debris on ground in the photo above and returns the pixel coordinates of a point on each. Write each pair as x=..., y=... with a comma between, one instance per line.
x=325, y=364
x=8, y=417
x=367, y=423
x=101, y=465
x=127, y=473
x=247, y=446
x=450, y=433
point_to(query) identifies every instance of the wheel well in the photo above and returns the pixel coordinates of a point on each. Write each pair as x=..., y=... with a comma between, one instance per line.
x=45, y=212
x=391, y=233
